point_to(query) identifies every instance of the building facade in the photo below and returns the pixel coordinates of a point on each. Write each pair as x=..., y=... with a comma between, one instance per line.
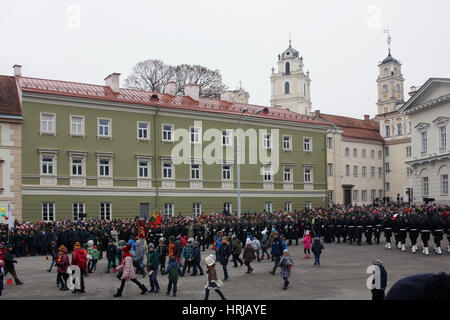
x=290, y=85
x=10, y=148
x=108, y=152
x=429, y=112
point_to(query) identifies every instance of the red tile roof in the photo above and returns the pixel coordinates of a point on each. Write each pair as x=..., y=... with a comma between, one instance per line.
x=98, y=92
x=355, y=128
x=9, y=97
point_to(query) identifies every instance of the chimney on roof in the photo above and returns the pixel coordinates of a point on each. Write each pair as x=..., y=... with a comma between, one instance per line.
x=192, y=90
x=413, y=90
x=227, y=96
x=170, y=88
x=366, y=117
x=113, y=81
x=17, y=70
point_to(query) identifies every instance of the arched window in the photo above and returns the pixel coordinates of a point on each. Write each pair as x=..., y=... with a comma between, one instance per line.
x=286, y=87
x=385, y=88
x=386, y=71
x=288, y=68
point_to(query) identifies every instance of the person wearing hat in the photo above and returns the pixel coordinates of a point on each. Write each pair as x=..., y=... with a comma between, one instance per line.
x=174, y=271
x=152, y=268
x=162, y=254
x=213, y=281
x=223, y=255
x=188, y=254
x=9, y=264
x=249, y=255
x=79, y=258
x=62, y=262
x=426, y=286
x=277, y=250
x=317, y=248
x=197, y=255
x=128, y=272
x=111, y=254
x=378, y=293
x=286, y=264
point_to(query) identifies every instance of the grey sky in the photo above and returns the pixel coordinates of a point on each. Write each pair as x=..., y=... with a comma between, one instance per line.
x=339, y=41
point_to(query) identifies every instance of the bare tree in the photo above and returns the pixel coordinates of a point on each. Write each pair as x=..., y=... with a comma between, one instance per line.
x=151, y=75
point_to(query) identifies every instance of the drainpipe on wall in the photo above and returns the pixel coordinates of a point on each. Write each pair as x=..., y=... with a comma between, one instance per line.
x=155, y=166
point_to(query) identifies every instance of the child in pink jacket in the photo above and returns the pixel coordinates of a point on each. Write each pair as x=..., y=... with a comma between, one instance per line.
x=128, y=272
x=307, y=245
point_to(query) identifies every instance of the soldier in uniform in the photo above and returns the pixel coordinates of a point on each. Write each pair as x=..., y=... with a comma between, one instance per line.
x=447, y=228
x=425, y=227
x=413, y=231
x=402, y=230
x=387, y=226
x=351, y=225
x=378, y=226
x=338, y=228
x=332, y=227
x=437, y=226
x=368, y=225
x=359, y=229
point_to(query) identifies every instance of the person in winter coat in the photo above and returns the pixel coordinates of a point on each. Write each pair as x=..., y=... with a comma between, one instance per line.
x=90, y=253
x=277, y=250
x=249, y=255
x=317, y=248
x=152, y=268
x=188, y=255
x=174, y=271
x=54, y=254
x=111, y=254
x=286, y=264
x=139, y=254
x=128, y=272
x=63, y=263
x=2, y=276
x=197, y=258
x=265, y=244
x=379, y=294
x=256, y=246
x=9, y=264
x=307, y=245
x=79, y=258
x=236, y=249
x=223, y=255
x=213, y=281
x=162, y=254
x=95, y=258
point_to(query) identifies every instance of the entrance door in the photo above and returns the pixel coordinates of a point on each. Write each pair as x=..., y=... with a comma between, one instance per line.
x=145, y=210
x=347, y=196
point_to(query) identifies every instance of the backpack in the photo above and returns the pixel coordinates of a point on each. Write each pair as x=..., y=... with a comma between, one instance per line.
x=173, y=273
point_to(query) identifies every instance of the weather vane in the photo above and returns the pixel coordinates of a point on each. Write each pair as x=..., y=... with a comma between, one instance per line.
x=290, y=37
x=389, y=39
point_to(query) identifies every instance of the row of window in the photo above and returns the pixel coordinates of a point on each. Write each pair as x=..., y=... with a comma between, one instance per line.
x=398, y=129
x=443, y=186
x=442, y=140
x=356, y=172
x=356, y=193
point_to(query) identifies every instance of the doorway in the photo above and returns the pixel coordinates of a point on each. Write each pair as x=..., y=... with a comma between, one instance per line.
x=145, y=210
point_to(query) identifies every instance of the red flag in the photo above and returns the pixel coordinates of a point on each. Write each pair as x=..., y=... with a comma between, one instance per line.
x=143, y=230
x=158, y=220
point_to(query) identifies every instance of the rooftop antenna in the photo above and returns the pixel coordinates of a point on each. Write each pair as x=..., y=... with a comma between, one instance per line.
x=389, y=38
x=290, y=37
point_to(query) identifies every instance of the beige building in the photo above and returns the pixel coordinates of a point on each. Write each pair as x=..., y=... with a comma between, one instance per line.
x=10, y=148
x=354, y=160
x=429, y=113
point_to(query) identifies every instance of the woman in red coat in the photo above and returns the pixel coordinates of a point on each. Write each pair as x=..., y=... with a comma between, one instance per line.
x=62, y=262
x=79, y=258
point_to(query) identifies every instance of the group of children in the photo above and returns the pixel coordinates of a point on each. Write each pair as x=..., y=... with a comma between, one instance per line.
x=316, y=247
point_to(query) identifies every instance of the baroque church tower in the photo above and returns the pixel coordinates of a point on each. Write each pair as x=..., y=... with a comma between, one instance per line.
x=290, y=85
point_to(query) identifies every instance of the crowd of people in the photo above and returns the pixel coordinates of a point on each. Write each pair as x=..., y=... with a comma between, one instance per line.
x=140, y=247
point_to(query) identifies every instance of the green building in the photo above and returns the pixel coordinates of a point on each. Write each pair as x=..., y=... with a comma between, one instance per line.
x=109, y=152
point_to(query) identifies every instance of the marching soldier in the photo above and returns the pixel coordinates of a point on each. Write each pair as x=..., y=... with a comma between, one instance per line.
x=378, y=225
x=402, y=229
x=413, y=231
x=425, y=227
x=387, y=226
x=369, y=224
x=437, y=226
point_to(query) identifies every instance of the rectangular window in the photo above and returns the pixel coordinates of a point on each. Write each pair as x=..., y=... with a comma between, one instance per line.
x=355, y=171
x=308, y=174
x=227, y=207
x=77, y=210
x=268, y=206
x=287, y=174
x=347, y=170
x=308, y=205
x=195, y=172
x=307, y=144
x=47, y=123
x=355, y=195
x=386, y=151
x=226, y=137
x=77, y=125
x=104, y=168
x=48, y=211
x=388, y=186
x=104, y=127
x=167, y=170
x=329, y=142
x=372, y=154
x=380, y=172
x=288, y=206
x=380, y=154
x=363, y=153
x=287, y=142
x=266, y=141
x=169, y=209
x=347, y=152
x=424, y=141
x=399, y=129
x=444, y=185
x=267, y=173
x=372, y=172
x=380, y=194
x=195, y=135
x=364, y=195
x=364, y=171
x=387, y=131
x=425, y=186
x=167, y=134
x=409, y=127
x=47, y=165
x=387, y=167
x=408, y=151
x=143, y=169
x=143, y=130
x=373, y=194
x=330, y=169
x=442, y=139
x=408, y=171
x=77, y=167
x=226, y=172
x=330, y=197
x=105, y=211
x=197, y=209
x=355, y=153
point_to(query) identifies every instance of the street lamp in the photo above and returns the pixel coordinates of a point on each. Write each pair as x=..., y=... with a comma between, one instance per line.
x=238, y=155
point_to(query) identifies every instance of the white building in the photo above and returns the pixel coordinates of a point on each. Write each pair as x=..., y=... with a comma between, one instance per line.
x=290, y=85
x=429, y=113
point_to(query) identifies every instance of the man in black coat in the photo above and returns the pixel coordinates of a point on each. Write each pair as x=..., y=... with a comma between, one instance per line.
x=9, y=264
x=17, y=241
x=425, y=227
x=32, y=243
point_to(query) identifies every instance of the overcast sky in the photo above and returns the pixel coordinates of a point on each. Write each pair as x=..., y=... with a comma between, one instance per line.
x=341, y=41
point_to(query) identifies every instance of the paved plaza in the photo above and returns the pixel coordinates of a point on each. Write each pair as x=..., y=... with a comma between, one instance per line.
x=341, y=276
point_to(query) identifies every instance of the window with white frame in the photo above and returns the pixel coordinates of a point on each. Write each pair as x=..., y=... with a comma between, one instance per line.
x=195, y=135
x=355, y=153
x=408, y=171
x=267, y=141
x=48, y=123
x=308, y=205
x=347, y=152
x=372, y=172
x=77, y=125
x=330, y=169
x=226, y=137
x=355, y=171
x=167, y=132
x=347, y=170
x=226, y=172
x=363, y=153
x=77, y=166
x=228, y=207
x=330, y=196
x=167, y=170
x=287, y=142
x=425, y=188
x=408, y=151
x=329, y=142
x=47, y=165
x=307, y=144
x=104, y=128
x=355, y=195
x=387, y=167
x=143, y=168
x=143, y=129
x=399, y=129
x=443, y=139
x=268, y=206
x=105, y=211
x=308, y=174
x=364, y=171
x=48, y=211
x=267, y=170
x=288, y=206
x=444, y=185
x=196, y=209
x=195, y=171
x=364, y=195
x=104, y=167
x=77, y=210
x=424, y=141
x=387, y=131
x=169, y=209
x=287, y=174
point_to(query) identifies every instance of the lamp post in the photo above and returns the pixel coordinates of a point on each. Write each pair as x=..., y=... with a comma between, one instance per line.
x=238, y=156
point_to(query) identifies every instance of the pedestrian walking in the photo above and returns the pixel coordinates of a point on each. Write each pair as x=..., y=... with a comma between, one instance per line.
x=174, y=271
x=79, y=258
x=277, y=250
x=265, y=244
x=317, y=248
x=236, y=249
x=62, y=263
x=286, y=263
x=213, y=281
x=128, y=272
x=9, y=264
x=223, y=255
x=197, y=259
x=307, y=245
x=152, y=268
x=379, y=293
x=249, y=255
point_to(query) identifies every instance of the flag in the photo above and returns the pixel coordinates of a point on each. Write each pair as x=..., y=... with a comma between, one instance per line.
x=153, y=217
x=158, y=220
x=10, y=219
x=142, y=229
